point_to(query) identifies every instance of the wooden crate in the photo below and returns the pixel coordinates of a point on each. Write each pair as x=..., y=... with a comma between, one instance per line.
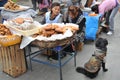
x=13, y=60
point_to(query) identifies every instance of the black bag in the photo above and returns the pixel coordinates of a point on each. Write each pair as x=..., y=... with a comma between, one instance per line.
x=55, y=55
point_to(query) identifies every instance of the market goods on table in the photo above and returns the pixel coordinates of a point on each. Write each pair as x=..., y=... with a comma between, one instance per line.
x=4, y=30
x=51, y=35
x=13, y=7
x=23, y=26
x=21, y=23
x=50, y=29
x=7, y=38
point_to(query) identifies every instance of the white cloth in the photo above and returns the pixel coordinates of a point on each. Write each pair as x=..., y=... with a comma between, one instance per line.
x=10, y=15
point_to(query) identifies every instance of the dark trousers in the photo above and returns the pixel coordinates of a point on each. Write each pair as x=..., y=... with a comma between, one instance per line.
x=34, y=3
x=107, y=15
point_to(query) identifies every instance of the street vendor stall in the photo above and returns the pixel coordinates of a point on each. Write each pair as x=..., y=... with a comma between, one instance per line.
x=11, y=10
x=53, y=37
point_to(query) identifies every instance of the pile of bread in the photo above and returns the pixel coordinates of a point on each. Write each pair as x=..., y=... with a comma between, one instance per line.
x=51, y=29
x=11, y=5
x=22, y=23
x=4, y=30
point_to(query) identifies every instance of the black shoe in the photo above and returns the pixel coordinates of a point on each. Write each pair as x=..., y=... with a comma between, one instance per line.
x=105, y=70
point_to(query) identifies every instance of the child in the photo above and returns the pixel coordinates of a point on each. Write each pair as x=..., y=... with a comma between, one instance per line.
x=75, y=16
x=93, y=66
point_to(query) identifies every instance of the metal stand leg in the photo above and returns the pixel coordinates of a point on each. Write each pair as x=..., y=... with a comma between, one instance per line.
x=29, y=55
x=75, y=59
x=60, y=67
x=25, y=51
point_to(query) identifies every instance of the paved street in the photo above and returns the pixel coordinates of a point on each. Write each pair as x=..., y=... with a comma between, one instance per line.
x=45, y=72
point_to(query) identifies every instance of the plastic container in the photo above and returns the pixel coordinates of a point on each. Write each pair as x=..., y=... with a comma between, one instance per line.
x=58, y=48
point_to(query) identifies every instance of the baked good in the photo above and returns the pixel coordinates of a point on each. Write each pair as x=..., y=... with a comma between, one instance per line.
x=4, y=30
x=19, y=20
x=11, y=5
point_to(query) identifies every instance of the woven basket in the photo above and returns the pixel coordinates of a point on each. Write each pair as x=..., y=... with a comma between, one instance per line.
x=51, y=44
x=9, y=40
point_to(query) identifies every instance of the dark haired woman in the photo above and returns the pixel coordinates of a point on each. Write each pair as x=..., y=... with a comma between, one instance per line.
x=93, y=65
x=54, y=15
x=75, y=16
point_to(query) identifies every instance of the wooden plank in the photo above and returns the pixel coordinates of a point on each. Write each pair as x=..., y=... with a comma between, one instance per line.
x=1, y=54
x=18, y=60
x=10, y=63
x=13, y=60
x=23, y=61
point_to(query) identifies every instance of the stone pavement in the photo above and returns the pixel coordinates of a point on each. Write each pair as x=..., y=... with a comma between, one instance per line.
x=44, y=72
